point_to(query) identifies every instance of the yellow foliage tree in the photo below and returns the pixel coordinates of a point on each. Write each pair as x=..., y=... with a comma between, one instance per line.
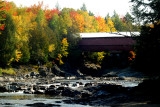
x=18, y=55
x=111, y=25
x=100, y=57
x=102, y=26
x=51, y=47
x=64, y=47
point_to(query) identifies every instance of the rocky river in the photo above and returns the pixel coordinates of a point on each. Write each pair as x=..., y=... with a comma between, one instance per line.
x=111, y=89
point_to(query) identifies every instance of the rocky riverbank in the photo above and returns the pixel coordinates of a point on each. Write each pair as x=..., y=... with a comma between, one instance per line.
x=113, y=87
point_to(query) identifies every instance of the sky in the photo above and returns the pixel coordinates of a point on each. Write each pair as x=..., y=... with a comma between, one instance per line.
x=98, y=7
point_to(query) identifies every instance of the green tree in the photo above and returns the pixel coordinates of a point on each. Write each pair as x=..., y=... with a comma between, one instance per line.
x=84, y=8
x=106, y=18
x=117, y=22
x=39, y=41
x=91, y=13
x=8, y=41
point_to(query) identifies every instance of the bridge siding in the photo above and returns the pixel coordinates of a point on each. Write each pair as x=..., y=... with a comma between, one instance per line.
x=109, y=43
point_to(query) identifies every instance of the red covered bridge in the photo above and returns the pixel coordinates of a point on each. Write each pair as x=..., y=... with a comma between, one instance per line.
x=113, y=42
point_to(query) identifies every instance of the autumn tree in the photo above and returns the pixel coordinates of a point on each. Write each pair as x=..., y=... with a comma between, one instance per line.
x=111, y=25
x=2, y=15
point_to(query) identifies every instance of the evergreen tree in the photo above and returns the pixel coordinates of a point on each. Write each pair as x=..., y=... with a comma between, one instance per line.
x=117, y=22
x=91, y=13
x=84, y=8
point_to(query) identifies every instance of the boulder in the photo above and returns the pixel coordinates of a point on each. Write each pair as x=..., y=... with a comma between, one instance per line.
x=101, y=94
x=42, y=105
x=91, y=69
x=3, y=89
x=52, y=91
x=88, y=85
x=112, y=88
x=42, y=71
x=71, y=93
x=57, y=71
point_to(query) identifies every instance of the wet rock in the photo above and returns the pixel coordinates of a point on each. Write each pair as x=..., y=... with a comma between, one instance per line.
x=32, y=74
x=70, y=93
x=112, y=88
x=7, y=104
x=27, y=76
x=58, y=102
x=52, y=91
x=43, y=105
x=101, y=94
x=88, y=85
x=3, y=89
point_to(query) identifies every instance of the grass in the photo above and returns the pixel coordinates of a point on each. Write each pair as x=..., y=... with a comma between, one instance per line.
x=9, y=71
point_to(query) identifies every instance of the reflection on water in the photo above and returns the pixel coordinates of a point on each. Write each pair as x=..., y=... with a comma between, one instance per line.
x=21, y=100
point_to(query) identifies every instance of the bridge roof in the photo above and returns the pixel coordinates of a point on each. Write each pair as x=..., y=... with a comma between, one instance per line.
x=108, y=34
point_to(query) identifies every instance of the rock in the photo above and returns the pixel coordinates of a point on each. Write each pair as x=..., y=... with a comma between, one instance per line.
x=70, y=93
x=148, y=87
x=52, y=91
x=88, y=85
x=11, y=79
x=32, y=74
x=42, y=105
x=111, y=88
x=57, y=71
x=58, y=102
x=91, y=69
x=101, y=93
x=3, y=89
x=27, y=76
x=111, y=74
x=1, y=78
x=42, y=71
x=121, y=78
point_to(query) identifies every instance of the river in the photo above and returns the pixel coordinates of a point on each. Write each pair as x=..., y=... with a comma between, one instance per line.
x=24, y=100
x=20, y=99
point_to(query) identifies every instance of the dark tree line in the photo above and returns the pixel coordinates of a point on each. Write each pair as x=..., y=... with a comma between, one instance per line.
x=147, y=13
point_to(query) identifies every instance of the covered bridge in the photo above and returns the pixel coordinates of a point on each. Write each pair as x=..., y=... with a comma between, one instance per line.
x=113, y=42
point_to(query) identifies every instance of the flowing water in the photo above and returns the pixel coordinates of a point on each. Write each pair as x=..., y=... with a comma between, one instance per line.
x=22, y=100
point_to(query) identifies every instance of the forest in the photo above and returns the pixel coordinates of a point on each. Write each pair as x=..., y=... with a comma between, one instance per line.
x=37, y=34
